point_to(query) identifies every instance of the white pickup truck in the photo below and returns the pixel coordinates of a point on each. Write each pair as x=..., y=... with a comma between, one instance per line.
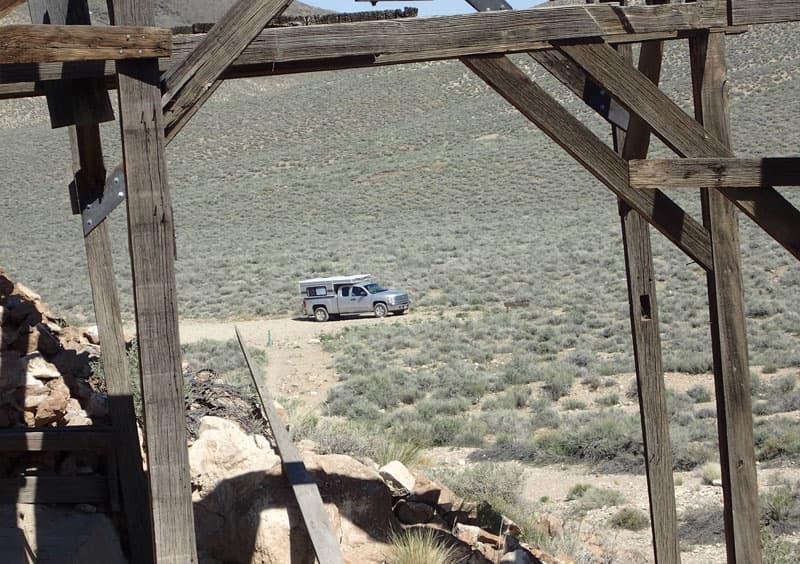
x=344, y=295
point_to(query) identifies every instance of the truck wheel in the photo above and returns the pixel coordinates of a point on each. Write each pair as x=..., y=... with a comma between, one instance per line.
x=380, y=310
x=321, y=314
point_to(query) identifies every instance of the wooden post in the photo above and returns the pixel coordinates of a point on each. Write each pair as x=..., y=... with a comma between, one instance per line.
x=87, y=156
x=152, y=248
x=647, y=341
x=83, y=104
x=726, y=304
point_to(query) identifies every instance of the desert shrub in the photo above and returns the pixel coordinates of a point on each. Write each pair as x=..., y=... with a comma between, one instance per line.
x=570, y=404
x=775, y=550
x=631, y=519
x=577, y=491
x=710, y=471
x=334, y=435
x=699, y=394
x=225, y=359
x=777, y=438
x=485, y=481
x=610, y=440
x=687, y=361
x=557, y=381
x=632, y=391
x=591, y=382
x=595, y=498
x=513, y=398
x=521, y=369
x=608, y=400
x=687, y=454
x=780, y=508
x=419, y=544
x=707, y=413
x=408, y=453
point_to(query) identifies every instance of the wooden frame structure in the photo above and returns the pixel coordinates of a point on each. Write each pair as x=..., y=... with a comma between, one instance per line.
x=161, y=84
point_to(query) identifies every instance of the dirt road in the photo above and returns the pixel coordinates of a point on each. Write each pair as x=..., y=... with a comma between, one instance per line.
x=297, y=367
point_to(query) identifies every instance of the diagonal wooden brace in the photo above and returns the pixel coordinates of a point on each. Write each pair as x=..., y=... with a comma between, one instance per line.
x=688, y=138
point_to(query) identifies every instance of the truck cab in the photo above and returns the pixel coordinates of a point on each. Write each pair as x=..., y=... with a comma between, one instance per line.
x=350, y=295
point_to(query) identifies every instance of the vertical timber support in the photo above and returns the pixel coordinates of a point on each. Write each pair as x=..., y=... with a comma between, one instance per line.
x=87, y=158
x=647, y=341
x=83, y=104
x=726, y=304
x=152, y=247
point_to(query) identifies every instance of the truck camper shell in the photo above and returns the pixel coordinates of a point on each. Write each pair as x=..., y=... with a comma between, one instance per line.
x=320, y=287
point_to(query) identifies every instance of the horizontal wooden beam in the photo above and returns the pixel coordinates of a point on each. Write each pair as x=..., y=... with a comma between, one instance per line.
x=54, y=489
x=54, y=439
x=764, y=11
x=48, y=43
x=715, y=173
x=353, y=45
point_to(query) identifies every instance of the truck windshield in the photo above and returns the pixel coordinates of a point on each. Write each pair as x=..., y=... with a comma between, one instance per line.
x=374, y=288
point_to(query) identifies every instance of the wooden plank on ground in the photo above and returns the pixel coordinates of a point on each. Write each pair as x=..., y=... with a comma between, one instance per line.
x=54, y=489
x=21, y=439
x=305, y=490
x=776, y=215
x=642, y=301
x=190, y=83
x=726, y=305
x=89, y=168
x=599, y=159
x=715, y=173
x=764, y=11
x=47, y=43
x=152, y=248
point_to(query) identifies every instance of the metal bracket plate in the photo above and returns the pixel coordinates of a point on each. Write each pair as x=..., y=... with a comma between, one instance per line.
x=94, y=212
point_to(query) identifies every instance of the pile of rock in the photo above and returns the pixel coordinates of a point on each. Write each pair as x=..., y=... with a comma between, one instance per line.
x=45, y=365
x=421, y=501
x=245, y=510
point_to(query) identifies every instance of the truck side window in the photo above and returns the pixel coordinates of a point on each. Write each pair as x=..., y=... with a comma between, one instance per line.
x=359, y=291
x=345, y=292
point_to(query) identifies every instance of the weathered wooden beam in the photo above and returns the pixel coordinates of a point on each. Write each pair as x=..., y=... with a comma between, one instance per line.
x=152, y=248
x=597, y=157
x=54, y=489
x=763, y=11
x=188, y=84
x=641, y=279
x=89, y=169
x=312, y=509
x=726, y=305
x=71, y=102
x=55, y=439
x=776, y=215
x=258, y=59
x=47, y=43
x=715, y=173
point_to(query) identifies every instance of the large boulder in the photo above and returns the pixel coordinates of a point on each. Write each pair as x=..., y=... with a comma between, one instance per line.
x=245, y=510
